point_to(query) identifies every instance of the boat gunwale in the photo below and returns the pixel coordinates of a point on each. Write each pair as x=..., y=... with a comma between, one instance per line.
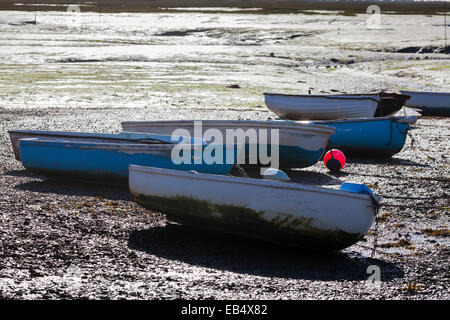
x=431, y=93
x=395, y=96
x=249, y=181
x=107, y=145
x=274, y=124
x=350, y=120
x=381, y=95
x=332, y=97
x=94, y=135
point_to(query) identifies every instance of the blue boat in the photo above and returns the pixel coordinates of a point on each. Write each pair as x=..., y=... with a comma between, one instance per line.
x=299, y=145
x=382, y=137
x=16, y=135
x=106, y=162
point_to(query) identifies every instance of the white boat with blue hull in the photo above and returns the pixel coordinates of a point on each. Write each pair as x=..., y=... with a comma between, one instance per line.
x=300, y=145
x=282, y=212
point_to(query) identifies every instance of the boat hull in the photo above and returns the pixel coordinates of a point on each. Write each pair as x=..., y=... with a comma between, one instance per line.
x=314, y=107
x=101, y=162
x=390, y=104
x=16, y=135
x=429, y=103
x=286, y=213
x=300, y=145
x=381, y=137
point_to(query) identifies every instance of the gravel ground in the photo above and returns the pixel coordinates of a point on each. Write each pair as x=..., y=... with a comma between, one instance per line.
x=64, y=240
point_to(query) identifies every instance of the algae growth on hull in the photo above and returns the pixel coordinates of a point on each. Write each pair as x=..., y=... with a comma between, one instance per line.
x=247, y=222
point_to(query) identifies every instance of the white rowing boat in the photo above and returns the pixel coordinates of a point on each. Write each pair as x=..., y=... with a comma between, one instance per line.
x=429, y=103
x=282, y=212
x=322, y=107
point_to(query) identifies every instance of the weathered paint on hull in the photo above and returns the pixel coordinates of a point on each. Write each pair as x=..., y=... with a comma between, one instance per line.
x=378, y=136
x=101, y=163
x=249, y=223
x=283, y=212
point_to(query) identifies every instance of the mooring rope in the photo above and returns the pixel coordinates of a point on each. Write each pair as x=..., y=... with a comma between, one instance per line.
x=375, y=238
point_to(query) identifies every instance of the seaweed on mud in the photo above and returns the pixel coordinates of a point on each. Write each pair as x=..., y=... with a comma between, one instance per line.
x=384, y=217
x=429, y=232
x=402, y=243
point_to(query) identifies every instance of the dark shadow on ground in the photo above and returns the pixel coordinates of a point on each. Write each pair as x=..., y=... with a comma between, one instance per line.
x=248, y=256
x=20, y=173
x=432, y=115
x=72, y=188
x=221, y=251
x=300, y=176
x=385, y=161
x=316, y=178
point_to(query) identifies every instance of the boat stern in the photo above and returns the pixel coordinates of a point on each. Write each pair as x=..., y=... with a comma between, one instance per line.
x=15, y=137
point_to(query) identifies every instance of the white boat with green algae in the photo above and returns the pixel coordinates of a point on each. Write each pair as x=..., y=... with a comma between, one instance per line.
x=281, y=212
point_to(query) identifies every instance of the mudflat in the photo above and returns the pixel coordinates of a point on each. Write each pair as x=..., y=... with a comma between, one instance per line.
x=62, y=239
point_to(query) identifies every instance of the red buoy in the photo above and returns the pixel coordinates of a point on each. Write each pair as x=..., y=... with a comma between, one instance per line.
x=334, y=160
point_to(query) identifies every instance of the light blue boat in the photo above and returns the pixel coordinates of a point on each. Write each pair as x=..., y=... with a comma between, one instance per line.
x=106, y=162
x=384, y=136
x=16, y=135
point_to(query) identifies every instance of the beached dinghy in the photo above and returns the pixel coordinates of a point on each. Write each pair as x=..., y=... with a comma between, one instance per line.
x=331, y=107
x=321, y=107
x=370, y=136
x=281, y=212
x=16, y=135
x=300, y=145
x=390, y=103
x=104, y=162
x=429, y=103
